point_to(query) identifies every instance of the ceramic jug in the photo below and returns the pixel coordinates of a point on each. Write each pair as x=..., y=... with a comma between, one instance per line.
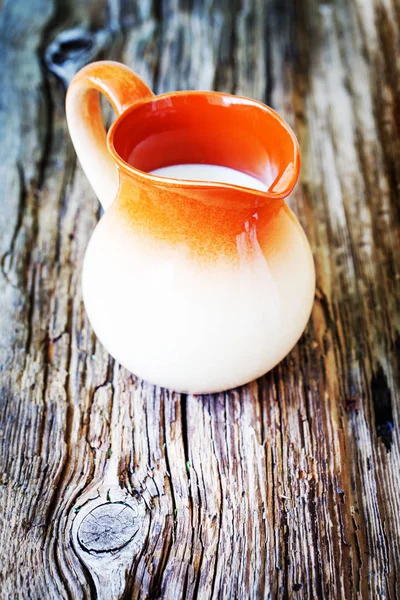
x=198, y=286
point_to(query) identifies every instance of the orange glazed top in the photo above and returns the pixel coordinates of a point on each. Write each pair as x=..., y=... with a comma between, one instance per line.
x=208, y=128
x=151, y=132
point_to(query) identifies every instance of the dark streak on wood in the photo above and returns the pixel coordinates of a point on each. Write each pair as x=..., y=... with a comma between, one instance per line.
x=382, y=399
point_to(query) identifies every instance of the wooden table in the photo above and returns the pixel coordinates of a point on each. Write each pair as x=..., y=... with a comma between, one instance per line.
x=288, y=487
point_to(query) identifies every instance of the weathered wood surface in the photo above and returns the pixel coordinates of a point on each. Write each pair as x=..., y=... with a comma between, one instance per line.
x=288, y=487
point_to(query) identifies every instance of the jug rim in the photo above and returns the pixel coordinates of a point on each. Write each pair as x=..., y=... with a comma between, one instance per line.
x=197, y=183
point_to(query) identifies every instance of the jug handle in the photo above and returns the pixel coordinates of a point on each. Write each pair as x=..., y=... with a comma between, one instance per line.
x=122, y=88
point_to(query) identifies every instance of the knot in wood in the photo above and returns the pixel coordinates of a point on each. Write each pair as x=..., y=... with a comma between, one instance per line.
x=108, y=527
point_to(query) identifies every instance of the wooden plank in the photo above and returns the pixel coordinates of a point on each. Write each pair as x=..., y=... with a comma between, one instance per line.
x=287, y=487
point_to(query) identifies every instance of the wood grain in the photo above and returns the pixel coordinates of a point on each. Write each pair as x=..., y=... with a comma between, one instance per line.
x=287, y=487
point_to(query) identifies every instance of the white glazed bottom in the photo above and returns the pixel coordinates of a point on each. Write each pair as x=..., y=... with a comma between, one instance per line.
x=197, y=327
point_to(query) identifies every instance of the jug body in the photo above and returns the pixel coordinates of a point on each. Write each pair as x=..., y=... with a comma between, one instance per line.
x=198, y=326
x=198, y=287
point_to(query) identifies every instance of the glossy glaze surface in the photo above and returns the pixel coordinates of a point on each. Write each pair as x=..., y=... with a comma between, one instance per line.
x=193, y=285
